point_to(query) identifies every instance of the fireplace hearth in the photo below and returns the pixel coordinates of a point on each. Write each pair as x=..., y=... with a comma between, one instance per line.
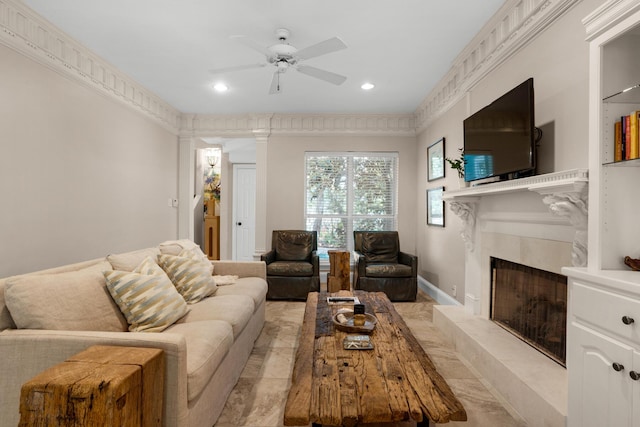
x=531, y=304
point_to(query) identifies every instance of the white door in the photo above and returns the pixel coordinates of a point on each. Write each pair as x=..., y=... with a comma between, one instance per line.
x=244, y=212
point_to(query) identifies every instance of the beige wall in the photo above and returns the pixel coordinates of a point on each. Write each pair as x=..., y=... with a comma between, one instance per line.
x=80, y=175
x=285, y=178
x=558, y=61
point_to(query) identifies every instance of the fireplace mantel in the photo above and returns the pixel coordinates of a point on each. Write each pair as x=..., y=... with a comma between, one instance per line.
x=565, y=193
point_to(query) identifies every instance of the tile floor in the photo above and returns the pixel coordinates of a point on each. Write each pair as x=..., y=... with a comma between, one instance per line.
x=259, y=397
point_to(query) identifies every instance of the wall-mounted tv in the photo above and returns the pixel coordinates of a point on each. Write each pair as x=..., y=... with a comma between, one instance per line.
x=499, y=140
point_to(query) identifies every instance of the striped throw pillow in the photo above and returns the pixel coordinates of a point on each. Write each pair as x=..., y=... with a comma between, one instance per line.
x=146, y=297
x=191, y=276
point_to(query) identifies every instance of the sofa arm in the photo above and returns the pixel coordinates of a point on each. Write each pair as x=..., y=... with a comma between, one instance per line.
x=240, y=268
x=25, y=353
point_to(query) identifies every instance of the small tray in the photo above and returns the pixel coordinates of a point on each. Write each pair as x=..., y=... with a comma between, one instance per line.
x=369, y=323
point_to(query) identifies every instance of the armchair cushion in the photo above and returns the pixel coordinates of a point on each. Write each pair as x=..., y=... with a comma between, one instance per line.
x=380, y=247
x=290, y=268
x=293, y=245
x=388, y=270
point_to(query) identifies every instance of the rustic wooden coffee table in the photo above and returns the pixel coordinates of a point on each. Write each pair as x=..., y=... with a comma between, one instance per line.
x=396, y=381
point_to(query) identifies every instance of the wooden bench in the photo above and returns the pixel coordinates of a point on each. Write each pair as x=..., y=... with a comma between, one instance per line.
x=396, y=381
x=101, y=386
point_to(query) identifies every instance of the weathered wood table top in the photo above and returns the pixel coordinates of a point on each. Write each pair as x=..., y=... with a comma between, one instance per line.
x=396, y=381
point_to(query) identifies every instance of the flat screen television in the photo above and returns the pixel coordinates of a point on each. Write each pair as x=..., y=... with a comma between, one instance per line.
x=499, y=140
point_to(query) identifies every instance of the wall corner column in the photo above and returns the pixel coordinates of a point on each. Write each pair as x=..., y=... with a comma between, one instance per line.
x=186, y=184
x=262, y=138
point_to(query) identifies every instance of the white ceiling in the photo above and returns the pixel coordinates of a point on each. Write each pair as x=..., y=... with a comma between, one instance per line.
x=404, y=46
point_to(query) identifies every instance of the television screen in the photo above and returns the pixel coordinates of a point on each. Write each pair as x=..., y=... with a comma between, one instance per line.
x=499, y=139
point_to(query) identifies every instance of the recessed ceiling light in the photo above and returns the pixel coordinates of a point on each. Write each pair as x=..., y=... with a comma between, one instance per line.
x=220, y=87
x=367, y=86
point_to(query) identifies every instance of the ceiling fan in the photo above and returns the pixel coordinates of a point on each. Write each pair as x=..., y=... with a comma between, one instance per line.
x=284, y=56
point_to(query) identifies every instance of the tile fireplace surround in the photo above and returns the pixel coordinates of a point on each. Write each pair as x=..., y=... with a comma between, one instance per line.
x=541, y=222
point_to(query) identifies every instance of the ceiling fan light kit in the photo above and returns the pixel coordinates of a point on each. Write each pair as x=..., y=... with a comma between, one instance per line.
x=283, y=56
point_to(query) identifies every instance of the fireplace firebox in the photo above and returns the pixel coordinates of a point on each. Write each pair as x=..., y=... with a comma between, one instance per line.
x=531, y=304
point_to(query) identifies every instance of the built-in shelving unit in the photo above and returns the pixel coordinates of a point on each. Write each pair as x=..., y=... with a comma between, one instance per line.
x=603, y=322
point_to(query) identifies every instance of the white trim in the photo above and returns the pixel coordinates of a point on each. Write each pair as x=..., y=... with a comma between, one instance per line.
x=511, y=28
x=436, y=293
x=23, y=30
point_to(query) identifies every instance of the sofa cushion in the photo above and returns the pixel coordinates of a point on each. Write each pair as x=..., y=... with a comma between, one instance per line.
x=208, y=342
x=380, y=247
x=254, y=287
x=236, y=310
x=128, y=261
x=290, y=268
x=146, y=297
x=293, y=245
x=75, y=300
x=190, y=275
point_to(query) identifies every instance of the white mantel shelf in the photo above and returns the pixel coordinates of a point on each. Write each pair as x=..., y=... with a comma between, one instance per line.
x=573, y=180
x=565, y=194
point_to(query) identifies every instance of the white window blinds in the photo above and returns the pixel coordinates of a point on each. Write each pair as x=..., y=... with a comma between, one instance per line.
x=349, y=191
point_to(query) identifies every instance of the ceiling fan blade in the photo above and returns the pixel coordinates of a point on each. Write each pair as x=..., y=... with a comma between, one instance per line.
x=251, y=43
x=327, y=76
x=331, y=45
x=275, y=84
x=236, y=68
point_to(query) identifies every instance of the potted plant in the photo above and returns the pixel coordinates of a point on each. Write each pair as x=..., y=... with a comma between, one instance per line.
x=458, y=165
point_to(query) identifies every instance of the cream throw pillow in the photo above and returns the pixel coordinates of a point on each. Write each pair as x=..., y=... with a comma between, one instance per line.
x=69, y=301
x=146, y=297
x=190, y=275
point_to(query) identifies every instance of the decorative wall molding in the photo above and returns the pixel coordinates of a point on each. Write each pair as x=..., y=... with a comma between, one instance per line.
x=511, y=28
x=608, y=15
x=28, y=33
x=565, y=193
x=245, y=125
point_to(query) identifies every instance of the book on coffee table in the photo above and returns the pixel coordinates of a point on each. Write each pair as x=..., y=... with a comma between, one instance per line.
x=357, y=342
x=342, y=300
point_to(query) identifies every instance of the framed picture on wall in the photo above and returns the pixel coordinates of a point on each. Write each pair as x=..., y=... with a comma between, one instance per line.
x=435, y=160
x=435, y=207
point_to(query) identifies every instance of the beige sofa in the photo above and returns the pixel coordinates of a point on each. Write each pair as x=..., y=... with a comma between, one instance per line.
x=205, y=350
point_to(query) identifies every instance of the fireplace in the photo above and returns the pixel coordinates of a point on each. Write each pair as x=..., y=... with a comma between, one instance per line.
x=531, y=304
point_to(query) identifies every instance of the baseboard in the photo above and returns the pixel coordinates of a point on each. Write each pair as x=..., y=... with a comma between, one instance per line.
x=436, y=293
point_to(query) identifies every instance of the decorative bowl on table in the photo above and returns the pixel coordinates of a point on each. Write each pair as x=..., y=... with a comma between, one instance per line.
x=344, y=322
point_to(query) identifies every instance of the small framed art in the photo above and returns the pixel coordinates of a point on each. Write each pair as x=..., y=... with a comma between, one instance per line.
x=435, y=207
x=435, y=160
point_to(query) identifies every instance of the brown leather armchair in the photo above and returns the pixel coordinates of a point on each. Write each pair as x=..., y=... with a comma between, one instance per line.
x=382, y=267
x=293, y=266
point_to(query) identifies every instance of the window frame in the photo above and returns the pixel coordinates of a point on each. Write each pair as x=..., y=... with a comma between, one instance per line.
x=350, y=217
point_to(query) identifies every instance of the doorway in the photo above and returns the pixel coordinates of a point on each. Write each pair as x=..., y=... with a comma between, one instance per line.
x=244, y=212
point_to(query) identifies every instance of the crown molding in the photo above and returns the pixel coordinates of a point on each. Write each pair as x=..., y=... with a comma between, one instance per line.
x=510, y=29
x=25, y=31
x=298, y=124
x=608, y=15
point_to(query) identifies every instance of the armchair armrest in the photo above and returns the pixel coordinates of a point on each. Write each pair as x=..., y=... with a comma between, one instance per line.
x=410, y=260
x=360, y=263
x=315, y=261
x=268, y=257
x=25, y=353
x=240, y=268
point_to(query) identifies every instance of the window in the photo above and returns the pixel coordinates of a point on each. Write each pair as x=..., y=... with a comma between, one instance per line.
x=349, y=191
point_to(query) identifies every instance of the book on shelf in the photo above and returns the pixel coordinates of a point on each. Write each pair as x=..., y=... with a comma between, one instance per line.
x=626, y=139
x=618, y=152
